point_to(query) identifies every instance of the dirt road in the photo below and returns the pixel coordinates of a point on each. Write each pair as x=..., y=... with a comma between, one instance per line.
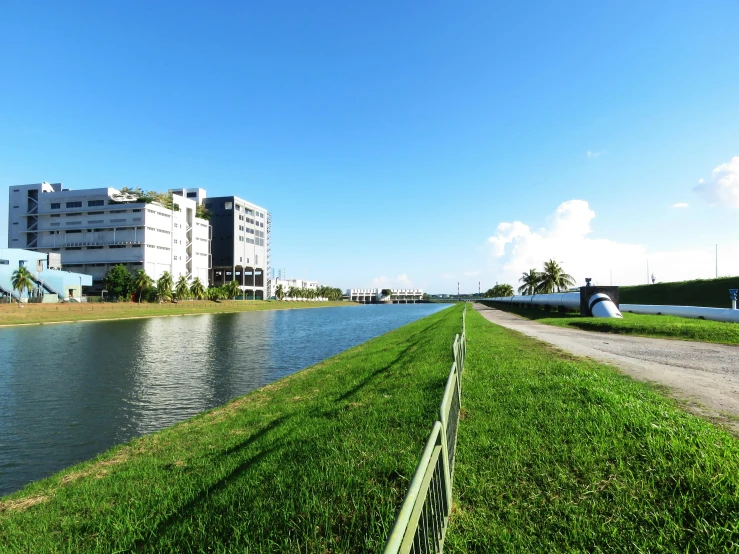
x=703, y=376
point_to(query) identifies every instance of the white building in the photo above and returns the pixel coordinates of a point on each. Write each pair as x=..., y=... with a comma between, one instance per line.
x=96, y=229
x=396, y=296
x=241, y=244
x=287, y=284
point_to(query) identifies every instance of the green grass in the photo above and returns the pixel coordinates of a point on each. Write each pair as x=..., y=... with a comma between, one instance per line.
x=317, y=462
x=12, y=314
x=560, y=454
x=713, y=293
x=658, y=326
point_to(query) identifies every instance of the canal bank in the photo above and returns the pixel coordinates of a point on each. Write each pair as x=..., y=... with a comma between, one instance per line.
x=318, y=461
x=31, y=314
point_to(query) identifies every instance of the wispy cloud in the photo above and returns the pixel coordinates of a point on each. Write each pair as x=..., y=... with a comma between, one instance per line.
x=680, y=205
x=595, y=154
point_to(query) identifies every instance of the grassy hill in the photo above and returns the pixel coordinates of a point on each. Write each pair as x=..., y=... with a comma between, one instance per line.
x=701, y=292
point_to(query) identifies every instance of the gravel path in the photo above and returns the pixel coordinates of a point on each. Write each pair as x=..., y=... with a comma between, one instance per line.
x=703, y=376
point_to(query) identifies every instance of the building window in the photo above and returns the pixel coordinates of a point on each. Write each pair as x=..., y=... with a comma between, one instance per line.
x=95, y=213
x=118, y=220
x=74, y=204
x=56, y=205
x=95, y=203
x=136, y=210
x=117, y=246
x=73, y=223
x=73, y=248
x=94, y=247
x=192, y=194
x=4, y=262
x=228, y=206
x=73, y=214
x=238, y=208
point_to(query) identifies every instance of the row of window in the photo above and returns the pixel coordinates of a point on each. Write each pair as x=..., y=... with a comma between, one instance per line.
x=100, y=247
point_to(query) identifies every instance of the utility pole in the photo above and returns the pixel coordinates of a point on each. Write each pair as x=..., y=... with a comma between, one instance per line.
x=479, y=290
x=458, y=296
x=717, y=261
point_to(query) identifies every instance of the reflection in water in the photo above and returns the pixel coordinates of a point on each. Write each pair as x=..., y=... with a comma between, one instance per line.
x=69, y=392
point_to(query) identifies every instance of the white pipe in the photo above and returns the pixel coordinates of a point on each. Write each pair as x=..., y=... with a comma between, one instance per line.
x=600, y=304
x=713, y=314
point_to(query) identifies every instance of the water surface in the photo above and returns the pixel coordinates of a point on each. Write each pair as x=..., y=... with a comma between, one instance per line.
x=71, y=391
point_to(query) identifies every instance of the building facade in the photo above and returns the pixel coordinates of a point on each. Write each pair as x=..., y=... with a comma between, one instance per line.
x=241, y=245
x=375, y=296
x=50, y=283
x=96, y=229
x=287, y=284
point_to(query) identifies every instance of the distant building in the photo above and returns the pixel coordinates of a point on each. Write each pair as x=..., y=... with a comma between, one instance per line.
x=95, y=229
x=50, y=283
x=241, y=244
x=287, y=284
x=375, y=296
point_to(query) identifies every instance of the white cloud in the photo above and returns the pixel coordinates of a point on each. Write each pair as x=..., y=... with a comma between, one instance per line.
x=518, y=248
x=401, y=282
x=595, y=154
x=515, y=249
x=680, y=205
x=723, y=186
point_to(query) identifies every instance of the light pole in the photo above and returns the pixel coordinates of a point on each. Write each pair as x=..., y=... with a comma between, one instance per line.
x=80, y=288
x=103, y=294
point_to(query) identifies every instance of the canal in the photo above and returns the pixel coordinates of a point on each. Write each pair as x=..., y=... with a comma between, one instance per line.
x=71, y=391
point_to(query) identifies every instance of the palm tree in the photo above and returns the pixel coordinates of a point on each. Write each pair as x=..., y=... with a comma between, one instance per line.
x=506, y=290
x=232, y=289
x=530, y=282
x=164, y=286
x=554, y=278
x=293, y=292
x=141, y=282
x=182, y=290
x=197, y=289
x=280, y=292
x=22, y=280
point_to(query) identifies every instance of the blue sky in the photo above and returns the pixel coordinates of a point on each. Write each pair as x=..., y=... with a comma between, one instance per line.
x=390, y=140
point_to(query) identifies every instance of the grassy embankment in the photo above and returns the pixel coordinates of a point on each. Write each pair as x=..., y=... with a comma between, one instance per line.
x=712, y=293
x=12, y=314
x=560, y=454
x=658, y=326
x=316, y=462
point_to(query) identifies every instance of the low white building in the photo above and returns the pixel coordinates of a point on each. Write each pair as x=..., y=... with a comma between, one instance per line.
x=287, y=284
x=96, y=229
x=396, y=296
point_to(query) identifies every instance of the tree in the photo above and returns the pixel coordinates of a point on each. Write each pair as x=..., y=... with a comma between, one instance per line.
x=530, y=282
x=182, y=290
x=141, y=283
x=293, y=292
x=197, y=290
x=505, y=290
x=280, y=292
x=118, y=282
x=554, y=279
x=22, y=280
x=232, y=289
x=164, y=286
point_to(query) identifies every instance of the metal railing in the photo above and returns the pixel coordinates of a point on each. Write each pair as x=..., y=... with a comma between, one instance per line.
x=424, y=516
